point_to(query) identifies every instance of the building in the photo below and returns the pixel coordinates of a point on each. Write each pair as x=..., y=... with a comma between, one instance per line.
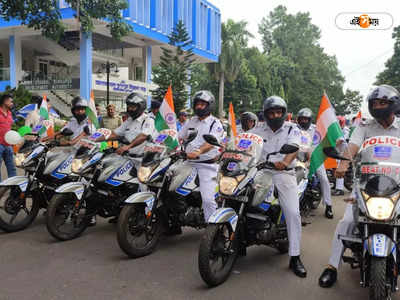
x=75, y=65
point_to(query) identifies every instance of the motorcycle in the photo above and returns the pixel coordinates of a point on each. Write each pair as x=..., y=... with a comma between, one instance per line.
x=46, y=167
x=250, y=212
x=105, y=179
x=173, y=199
x=373, y=240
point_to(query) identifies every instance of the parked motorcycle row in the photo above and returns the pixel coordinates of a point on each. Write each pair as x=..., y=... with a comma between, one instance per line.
x=157, y=192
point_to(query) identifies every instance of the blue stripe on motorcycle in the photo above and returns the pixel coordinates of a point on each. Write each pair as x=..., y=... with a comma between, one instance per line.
x=222, y=213
x=58, y=175
x=182, y=192
x=113, y=182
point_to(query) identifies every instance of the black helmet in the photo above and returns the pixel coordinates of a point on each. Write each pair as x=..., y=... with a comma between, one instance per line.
x=137, y=100
x=78, y=102
x=205, y=96
x=305, y=113
x=36, y=99
x=385, y=92
x=248, y=116
x=275, y=102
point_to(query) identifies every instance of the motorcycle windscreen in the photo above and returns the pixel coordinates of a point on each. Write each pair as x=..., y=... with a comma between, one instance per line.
x=243, y=154
x=379, y=166
x=153, y=151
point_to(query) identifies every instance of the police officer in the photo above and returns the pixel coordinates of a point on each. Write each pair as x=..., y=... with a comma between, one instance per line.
x=201, y=154
x=248, y=121
x=136, y=128
x=382, y=104
x=77, y=123
x=304, y=121
x=276, y=132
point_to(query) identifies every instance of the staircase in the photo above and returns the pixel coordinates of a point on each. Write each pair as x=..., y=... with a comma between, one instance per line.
x=61, y=101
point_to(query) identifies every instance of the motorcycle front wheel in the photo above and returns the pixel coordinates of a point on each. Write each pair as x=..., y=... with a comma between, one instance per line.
x=217, y=253
x=17, y=210
x=378, y=289
x=138, y=233
x=64, y=221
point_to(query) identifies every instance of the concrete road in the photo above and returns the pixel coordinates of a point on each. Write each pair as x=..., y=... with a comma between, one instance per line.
x=35, y=266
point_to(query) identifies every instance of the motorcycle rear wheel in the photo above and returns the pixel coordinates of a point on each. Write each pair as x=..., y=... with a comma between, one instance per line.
x=60, y=213
x=378, y=289
x=13, y=202
x=216, y=245
x=132, y=227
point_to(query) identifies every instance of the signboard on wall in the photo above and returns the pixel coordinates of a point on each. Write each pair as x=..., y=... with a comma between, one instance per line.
x=122, y=86
x=52, y=84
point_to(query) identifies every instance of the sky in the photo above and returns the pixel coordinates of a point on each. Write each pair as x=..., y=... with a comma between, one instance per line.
x=361, y=55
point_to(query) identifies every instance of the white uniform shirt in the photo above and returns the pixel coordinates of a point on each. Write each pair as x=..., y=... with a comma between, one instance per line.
x=372, y=128
x=130, y=129
x=289, y=133
x=210, y=125
x=77, y=128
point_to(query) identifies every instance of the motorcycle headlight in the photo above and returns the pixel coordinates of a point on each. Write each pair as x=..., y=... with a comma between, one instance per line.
x=380, y=208
x=144, y=174
x=76, y=165
x=227, y=185
x=19, y=159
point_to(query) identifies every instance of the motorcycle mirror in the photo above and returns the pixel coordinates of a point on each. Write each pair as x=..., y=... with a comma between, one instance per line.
x=288, y=149
x=67, y=132
x=211, y=140
x=191, y=136
x=332, y=153
x=86, y=130
x=149, y=138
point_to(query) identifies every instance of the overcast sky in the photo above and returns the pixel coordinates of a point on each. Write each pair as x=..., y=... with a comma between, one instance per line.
x=361, y=55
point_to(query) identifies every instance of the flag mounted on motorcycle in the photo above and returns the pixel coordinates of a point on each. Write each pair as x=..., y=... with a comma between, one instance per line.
x=166, y=119
x=328, y=131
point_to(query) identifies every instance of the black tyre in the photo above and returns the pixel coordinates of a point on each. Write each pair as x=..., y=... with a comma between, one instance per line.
x=378, y=289
x=316, y=198
x=17, y=210
x=64, y=222
x=217, y=253
x=138, y=235
x=283, y=246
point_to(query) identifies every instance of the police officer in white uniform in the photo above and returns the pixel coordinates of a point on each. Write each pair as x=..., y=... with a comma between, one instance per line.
x=276, y=133
x=248, y=121
x=136, y=128
x=201, y=154
x=304, y=121
x=382, y=103
x=77, y=123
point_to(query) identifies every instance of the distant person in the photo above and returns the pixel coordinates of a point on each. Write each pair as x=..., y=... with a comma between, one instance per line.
x=182, y=119
x=6, y=120
x=111, y=120
x=154, y=109
x=99, y=115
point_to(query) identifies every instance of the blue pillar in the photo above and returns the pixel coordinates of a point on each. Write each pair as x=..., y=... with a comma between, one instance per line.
x=148, y=70
x=86, y=65
x=13, y=69
x=189, y=90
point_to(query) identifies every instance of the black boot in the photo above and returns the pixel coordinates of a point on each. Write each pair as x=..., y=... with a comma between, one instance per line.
x=297, y=267
x=329, y=212
x=337, y=193
x=328, y=277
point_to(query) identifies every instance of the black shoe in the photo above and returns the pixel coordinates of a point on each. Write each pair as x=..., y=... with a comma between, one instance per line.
x=113, y=220
x=297, y=267
x=329, y=212
x=92, y=221
x=175, y=230
x=328, y=278
x=338, y=193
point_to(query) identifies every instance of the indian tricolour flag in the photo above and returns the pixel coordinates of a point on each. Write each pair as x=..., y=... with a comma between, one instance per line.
x=327, y=132
x=166, y=119
x=356, y=122
x=232, y=121
x=91, y=111
x=46, y=126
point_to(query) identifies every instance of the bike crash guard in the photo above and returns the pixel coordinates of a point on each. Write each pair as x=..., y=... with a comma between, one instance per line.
x=224, y=215
x=20, y=181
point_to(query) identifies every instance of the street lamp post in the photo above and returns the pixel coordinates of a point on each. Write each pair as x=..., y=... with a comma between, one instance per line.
x=107, y=67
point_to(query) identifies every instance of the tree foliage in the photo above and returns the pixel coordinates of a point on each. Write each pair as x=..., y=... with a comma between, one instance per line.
x=44, y=15
x=391, y=74
x=175, y=67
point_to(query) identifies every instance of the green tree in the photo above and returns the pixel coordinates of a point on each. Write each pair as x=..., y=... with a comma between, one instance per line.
x=175, y=67
x=391, y=74
x=45, y=16
x=234, y=39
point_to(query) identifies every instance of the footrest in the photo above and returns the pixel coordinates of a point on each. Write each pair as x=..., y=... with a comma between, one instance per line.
x=352, y=261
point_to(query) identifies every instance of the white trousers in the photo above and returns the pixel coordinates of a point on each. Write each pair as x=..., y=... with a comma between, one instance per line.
x=325, y=186
x=208, y=187
x=340, y=184
x=289, y=201
x=342, y=228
